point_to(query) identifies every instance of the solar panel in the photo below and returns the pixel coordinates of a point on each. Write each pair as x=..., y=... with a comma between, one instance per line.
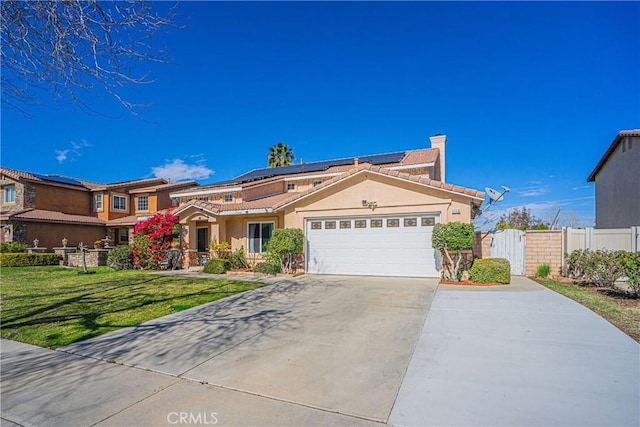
x=60, y=179
x=256, y=174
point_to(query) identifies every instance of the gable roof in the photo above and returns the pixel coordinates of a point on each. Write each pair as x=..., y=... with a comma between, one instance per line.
x=475, y=194
x=619, y=137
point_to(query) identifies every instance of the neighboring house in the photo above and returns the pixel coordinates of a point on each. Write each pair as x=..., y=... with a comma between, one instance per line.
x=617, y=178
x=368, y=215
x=52, y=207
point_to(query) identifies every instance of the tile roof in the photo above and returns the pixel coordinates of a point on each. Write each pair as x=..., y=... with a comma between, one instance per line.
x=619, y=137
x=166, y=186
x=127, y=220
x=416, y=157
x=394, y=173
x=41, y=215
x=147, y=181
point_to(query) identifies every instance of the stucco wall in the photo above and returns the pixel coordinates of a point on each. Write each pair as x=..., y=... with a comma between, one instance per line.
x=60, y=199
x=50, y=235
x=618, y=187
x=482, y=245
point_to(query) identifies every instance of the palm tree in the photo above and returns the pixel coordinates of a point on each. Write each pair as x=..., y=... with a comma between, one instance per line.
x=280, y=155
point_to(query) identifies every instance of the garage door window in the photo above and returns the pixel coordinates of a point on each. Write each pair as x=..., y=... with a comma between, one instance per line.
x=345, y=224
x=361, y=223
x=330, y=225
x=259, y=234
x=376, y=223
x=428, y=222
x=393, y=223
x=410, y=222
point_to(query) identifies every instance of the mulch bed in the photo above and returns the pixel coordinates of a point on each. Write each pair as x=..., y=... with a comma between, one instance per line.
x=467, y=283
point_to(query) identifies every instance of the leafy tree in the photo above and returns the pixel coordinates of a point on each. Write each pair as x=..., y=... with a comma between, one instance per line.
x=152, y=239
x=70, y=47
x=284, y=246
x=280, y=155
x=520, y=219
x=451, y=239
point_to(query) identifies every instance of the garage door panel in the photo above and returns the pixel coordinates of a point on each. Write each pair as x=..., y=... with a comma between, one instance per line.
x=386, y=251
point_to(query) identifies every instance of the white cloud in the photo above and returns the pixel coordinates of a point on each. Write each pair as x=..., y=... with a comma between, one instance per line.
x=178, y=170
x=72, y=153
x=61, y=155
x=533, y=191
x=581, y=187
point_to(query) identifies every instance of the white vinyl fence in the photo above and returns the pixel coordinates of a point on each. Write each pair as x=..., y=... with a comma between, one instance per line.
x=614, y=239
x=510, y=244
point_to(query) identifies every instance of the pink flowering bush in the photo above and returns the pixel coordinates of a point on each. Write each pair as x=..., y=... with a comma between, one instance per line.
x=152, y=239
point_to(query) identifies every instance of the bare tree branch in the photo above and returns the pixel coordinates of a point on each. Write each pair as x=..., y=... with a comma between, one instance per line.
x=73, y=46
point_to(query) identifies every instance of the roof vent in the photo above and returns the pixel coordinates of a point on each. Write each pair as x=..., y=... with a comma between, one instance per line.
x=356, y=161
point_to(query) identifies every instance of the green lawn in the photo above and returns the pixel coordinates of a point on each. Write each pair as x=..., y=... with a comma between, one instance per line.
x=621, y=311
x=55, y=306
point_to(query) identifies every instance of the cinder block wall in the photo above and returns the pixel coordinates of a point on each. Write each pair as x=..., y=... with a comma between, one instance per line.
x=543, y=247
x=482, y=245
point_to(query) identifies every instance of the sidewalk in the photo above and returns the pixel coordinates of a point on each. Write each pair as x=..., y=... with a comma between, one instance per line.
x=519, y=355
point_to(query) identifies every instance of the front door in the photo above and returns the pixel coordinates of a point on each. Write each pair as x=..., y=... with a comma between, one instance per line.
x=202, y=240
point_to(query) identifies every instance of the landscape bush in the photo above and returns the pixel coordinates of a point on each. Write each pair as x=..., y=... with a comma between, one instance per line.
x=120, y=258
x=284, y=247
x=629, y=263
x=491, y=270
x=543, y=270
x=267, y=268
x=12, y=248
x=600, y=267
x=28, y=260
x=152, y=239
x=217, y=266
x=220, y=250
x=238, y=259
x=451, y=239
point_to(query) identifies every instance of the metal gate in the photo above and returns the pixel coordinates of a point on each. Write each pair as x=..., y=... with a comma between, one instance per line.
x=509, y=244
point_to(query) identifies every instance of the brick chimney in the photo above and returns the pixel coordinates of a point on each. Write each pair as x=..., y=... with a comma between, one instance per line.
x=439, y=141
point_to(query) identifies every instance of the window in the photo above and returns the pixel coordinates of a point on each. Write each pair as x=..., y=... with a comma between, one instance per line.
x=9, y=194
x=428, y=222
x=291, y=186
x=330, y=225
x=98, y=202
x=258, y=235
x=119, y=203
x=393, y=223
x=316, y=183
x=376, y=223
x=361, y=223
x=202, y=199
x=202, y=239
x=345, y=224
x=123, y=236
x=316, y=225
x=228, y=198
x=143, y=203
x=410, y=222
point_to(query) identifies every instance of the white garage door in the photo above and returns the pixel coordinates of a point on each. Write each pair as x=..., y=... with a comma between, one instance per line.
x=373, y=246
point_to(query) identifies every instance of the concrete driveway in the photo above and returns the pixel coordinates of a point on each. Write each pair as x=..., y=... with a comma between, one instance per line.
x=317, y=350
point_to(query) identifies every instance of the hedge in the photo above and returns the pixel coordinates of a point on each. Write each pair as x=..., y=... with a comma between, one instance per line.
x=29, y=260
x=266, y=268
x=217, y=266
x=491, y=270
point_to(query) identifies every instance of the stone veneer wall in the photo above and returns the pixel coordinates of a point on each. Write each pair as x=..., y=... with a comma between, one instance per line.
x=94, y=258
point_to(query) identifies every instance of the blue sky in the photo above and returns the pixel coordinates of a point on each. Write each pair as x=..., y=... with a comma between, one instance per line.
x=530, y=95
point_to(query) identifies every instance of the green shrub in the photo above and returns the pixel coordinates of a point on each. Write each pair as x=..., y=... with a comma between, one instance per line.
x=267, y=268
x=217, y=266
x=599, y=267
x=28, y=260
x=491, y=270
x=12, y=248
x=120, y=258
x=629, y=263
x=237, y=259
x=450, y=239
x=543, y=270
x=283, y=247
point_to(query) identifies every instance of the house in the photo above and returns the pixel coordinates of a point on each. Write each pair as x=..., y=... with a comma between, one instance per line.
x=52, y=207
x=617, y=179
x=367, y=215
